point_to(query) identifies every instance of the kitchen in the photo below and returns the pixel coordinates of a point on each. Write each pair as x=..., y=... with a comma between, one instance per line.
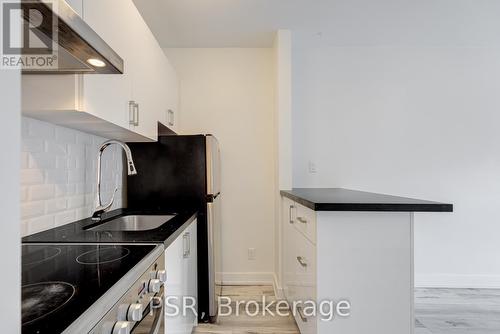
x=250, y=155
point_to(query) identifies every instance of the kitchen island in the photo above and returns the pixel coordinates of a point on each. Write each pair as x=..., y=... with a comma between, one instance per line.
x=355, y=247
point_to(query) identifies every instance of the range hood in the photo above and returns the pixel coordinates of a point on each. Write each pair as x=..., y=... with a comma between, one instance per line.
x=78, y=48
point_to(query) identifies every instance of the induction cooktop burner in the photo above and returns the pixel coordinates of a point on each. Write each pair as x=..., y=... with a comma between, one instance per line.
x=41, y=299
x=40, y=254
x=103, y=255
x=59, y=284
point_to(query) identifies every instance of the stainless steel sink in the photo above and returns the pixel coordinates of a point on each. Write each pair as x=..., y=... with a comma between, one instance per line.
x=133, y=223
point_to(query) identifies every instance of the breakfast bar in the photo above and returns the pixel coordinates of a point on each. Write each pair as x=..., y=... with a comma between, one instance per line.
x=353, y=246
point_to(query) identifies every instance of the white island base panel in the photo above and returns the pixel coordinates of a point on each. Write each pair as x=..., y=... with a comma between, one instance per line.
x=367, y=259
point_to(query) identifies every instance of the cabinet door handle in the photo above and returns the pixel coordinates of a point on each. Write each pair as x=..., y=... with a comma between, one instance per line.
x=136, y=114
x=301, y=314
x=187, y=244
x=302, y=220
x=302, y=261
x=170, y=117
x=291, y=221
x=131, y=113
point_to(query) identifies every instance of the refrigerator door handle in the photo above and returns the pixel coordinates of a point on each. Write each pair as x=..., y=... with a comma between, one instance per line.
x=211, y=260
x=213, y=165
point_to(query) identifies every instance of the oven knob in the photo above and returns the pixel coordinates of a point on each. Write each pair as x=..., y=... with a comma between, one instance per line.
x=122, y=327
x=161, y=275
x=119, y=327
x=154, y=285
x=130, y=312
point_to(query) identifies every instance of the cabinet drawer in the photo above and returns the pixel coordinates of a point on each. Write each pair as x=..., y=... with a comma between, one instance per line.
x=300, y=276
x=305, y=221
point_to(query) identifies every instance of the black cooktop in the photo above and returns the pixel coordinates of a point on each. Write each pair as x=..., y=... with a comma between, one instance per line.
x=60, y=282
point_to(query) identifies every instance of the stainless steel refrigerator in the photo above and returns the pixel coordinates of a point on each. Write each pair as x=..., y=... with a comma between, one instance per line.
x=213, y=223
x=182, y=173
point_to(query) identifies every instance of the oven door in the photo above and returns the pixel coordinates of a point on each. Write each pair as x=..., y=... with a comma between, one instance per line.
x=153, y=321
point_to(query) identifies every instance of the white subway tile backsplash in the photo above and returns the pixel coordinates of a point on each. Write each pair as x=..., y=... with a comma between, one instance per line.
x=32, y=209
x=65, y=217
x=56, y=205
x=41, y=160
x=76, y=202
x=61, y=162
x=40, y=224
x=71, y=163
x=31, y=176
x=55, y=176
x=58, y=168
x=82, y=212
x=32, y=145
x=77, y=150
x=40, y=192
x=56, y=148
x=76, y=176
x=64, y=135
x=41, y=130
x=83, y=139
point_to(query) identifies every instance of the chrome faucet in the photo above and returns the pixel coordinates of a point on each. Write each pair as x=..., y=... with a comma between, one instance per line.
x=100, y=209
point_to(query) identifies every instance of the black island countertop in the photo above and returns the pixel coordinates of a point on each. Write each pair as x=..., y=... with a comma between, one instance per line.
x=339, y=199
x=78, y=232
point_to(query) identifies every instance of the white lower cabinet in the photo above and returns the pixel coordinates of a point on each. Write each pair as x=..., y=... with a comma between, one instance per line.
x=364, y=258
x=299, y=270
x=181, y=288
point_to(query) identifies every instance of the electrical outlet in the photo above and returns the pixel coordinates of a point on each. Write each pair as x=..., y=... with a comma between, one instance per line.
x=251, y=253
x=312, y=168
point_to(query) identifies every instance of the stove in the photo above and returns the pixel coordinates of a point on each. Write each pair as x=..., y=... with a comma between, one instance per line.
x=61, y=283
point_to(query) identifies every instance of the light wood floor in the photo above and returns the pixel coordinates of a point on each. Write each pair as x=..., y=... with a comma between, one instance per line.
x=244, y=324
x=437, y=311
x=457, y=311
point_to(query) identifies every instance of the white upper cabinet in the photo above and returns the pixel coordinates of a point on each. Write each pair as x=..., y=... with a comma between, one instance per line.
x=148, y=77
x=152, y=66
x=124, y=106
x=108, y=95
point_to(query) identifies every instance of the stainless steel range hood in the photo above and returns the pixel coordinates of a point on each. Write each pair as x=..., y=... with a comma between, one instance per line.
x=76, y=44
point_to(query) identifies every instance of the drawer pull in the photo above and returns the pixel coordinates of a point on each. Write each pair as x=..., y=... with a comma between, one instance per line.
x=302, y=262
x=291, y=221
x=302, y=220
x=301, y=314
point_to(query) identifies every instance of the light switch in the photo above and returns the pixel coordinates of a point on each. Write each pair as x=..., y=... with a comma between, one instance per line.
x=312, y=168
x=251, y=253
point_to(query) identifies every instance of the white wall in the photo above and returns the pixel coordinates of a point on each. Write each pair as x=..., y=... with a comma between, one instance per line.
x=282, y=136
x=230, y=93
x=58, y=175
x=10, y=309
x=414, y=121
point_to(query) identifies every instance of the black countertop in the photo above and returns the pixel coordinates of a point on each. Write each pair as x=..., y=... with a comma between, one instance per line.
x=338, y=199
x=77, y=232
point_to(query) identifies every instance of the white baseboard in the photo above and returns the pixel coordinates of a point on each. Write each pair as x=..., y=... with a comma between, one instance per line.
x=457, y=281
x=247, y=278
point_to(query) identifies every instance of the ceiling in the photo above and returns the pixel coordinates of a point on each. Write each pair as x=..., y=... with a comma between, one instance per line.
x=252, y=23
